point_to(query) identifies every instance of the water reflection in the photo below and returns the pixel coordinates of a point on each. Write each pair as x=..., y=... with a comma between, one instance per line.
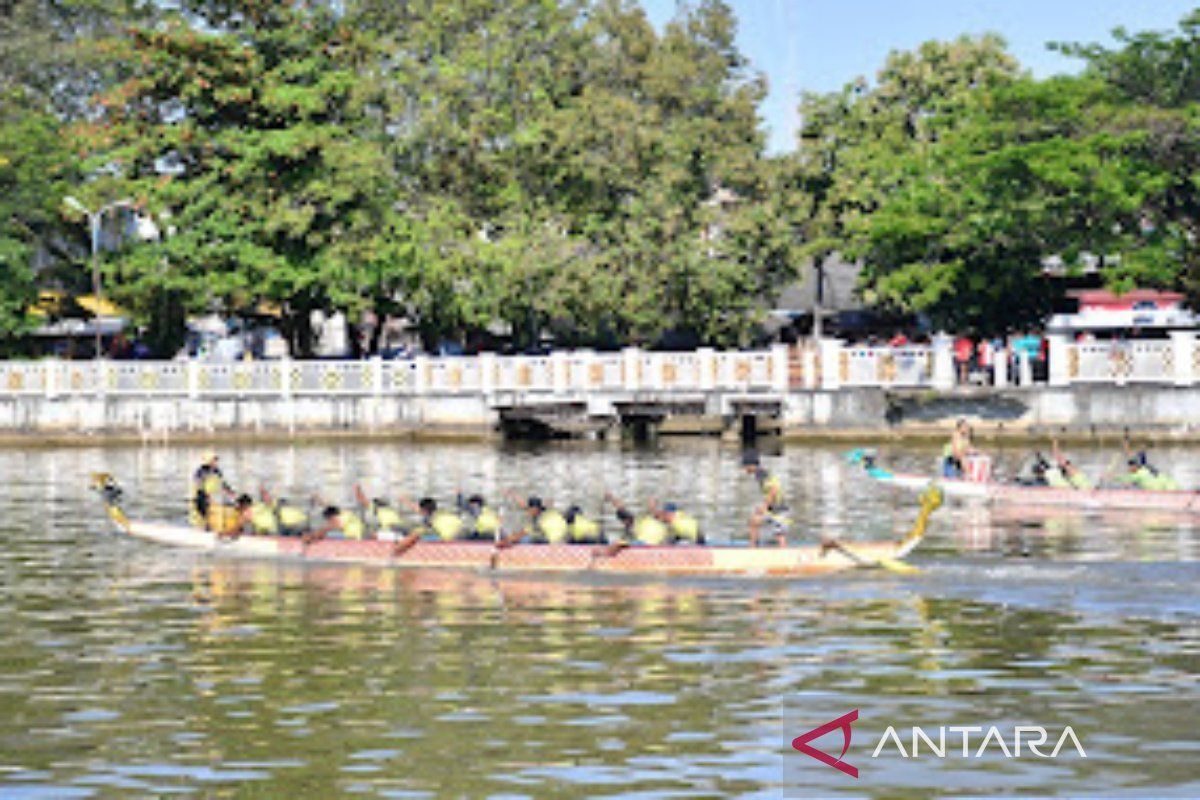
x=132, y=670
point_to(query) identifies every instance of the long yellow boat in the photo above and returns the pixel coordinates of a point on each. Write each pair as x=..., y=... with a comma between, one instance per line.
x=705, y=560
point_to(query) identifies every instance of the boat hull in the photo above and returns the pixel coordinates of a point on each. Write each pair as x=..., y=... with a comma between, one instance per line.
x=712, y=560
x=1177, y=501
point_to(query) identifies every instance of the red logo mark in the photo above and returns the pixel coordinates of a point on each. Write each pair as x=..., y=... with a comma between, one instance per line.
x=801, y=743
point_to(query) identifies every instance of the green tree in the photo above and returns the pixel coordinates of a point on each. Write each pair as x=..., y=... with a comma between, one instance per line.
x=253, y=130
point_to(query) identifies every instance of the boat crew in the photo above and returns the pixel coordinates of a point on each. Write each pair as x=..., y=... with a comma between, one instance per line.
x=339, y=524
x=435, y=524
x=292, y=519
x=544, y=526
x=209, y=489
x=955, y=452
x=255, y=518
x=582, y=529
x=380, y=516
x=684, y=528
x=1142, y=475
x=483, y=521
x=646, y=529
x=1063, y=474
x=772, y=509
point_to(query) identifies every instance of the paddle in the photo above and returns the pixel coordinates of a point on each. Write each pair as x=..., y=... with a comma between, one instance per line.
x=930, y=500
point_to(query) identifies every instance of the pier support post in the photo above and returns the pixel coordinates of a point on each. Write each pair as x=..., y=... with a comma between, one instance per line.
x=831, y=364
x=943, y=362
x=1183, y=357
x=1000, y=367
x=779, y=368
x=1057, y=350
x=631, y=358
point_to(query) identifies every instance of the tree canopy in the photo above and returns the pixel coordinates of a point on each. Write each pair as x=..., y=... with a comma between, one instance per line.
x=562, y=166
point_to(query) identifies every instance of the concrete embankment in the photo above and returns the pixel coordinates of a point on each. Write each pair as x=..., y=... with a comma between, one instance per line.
x=1070, y=413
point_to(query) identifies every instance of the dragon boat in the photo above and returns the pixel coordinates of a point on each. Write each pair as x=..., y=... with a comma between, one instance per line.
x=819, y=558
x=1014, y=494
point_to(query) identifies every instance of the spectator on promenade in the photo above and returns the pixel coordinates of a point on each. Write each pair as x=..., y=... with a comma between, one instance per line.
x=963, y=348
x=983, y=356
x=899, y=340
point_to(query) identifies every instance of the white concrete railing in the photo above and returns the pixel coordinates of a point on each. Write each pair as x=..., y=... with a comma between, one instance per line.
x=833, y=365
x=560, y=373
x=1175, y=360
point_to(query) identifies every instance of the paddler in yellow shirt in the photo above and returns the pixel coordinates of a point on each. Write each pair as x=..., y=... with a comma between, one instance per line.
x=209, y=491
x=257, y=519
x=339, y=524
x=772, y=508
x=685, y=528
x=293, y=520
x=380, y=516
x=440, y=525
x=545, y=525
x=483, y=521
x=582, y=529
x=644, y=529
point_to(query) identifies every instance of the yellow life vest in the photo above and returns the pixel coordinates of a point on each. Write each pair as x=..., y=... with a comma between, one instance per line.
x=584, y=529
x=352, y=525
x=212, y=485
x=772, y=489
x=487, y=523
x=262, y=520
x=224, y=519
x=553, y=527
x=447, y=526
x=389, y=519
x=1079, y=481
x=648, y=530
x=292, y=518
x=685, y=527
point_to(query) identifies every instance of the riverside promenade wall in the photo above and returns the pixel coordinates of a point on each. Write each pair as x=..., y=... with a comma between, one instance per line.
x=869, y=413
x=832, y=390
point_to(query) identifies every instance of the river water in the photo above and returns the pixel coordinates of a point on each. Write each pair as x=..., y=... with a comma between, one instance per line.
x=130, y=670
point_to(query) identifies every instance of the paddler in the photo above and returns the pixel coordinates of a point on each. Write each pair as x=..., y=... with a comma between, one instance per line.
x=644, y=529
x=209, y=489
x=292, y=519
x=483, y=521
x=1142, y=475
x=545, y=525
x=1063, y=474
x=380, y=516
x=255, y=518
x=582, y=529
x=955, y=452
x=339, y=524
x=772, y=508
x=435, y=524
x=685, y=529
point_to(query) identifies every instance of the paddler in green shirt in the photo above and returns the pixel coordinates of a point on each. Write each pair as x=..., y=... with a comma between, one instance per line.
x=1142, y=475
x=1063, y=474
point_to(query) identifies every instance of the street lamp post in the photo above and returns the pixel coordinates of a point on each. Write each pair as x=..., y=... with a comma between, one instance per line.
x=95, y=219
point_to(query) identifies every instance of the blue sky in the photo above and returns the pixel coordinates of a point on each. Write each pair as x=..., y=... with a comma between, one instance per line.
x=818, y=45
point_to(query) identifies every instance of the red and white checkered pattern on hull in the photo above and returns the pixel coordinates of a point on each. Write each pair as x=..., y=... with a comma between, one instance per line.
x=684, y=559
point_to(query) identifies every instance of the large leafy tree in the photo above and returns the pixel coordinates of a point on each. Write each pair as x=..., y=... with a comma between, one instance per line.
x=254, y=131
